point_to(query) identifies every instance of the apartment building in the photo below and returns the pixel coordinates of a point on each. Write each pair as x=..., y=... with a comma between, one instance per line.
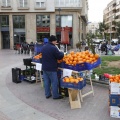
x=110, y=15
x=92, y=27
x=31, y=20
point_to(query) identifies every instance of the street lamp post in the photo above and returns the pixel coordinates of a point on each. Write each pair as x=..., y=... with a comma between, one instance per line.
x=59, y=26
x=79, y=28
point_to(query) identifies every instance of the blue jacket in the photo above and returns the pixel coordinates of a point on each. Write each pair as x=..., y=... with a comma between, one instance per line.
x=50, y=55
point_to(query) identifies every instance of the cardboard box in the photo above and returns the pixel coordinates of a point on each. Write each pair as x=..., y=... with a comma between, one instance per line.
x=114, y=100
x=114, y=88
x=115, y=111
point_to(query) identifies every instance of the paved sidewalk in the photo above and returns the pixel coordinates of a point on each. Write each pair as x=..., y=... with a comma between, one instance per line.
x=26, y=101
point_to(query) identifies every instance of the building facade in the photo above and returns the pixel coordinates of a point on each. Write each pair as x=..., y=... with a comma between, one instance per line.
x=31, y=20
x=92, y=27
x=111, y=15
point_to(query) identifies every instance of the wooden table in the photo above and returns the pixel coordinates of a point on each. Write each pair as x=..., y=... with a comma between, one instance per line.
x=76, y=96
x=38, y=73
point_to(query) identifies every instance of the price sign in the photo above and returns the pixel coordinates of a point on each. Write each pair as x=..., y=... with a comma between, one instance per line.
x=38, y=66
x=67, y=72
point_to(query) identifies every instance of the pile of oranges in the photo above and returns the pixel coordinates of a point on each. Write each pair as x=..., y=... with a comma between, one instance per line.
x=114, y=78
x=71, y=79
x=79, y=57
x=38, y=56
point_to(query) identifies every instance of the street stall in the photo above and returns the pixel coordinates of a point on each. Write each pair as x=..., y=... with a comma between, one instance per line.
x=80, y=63
x=75, y=69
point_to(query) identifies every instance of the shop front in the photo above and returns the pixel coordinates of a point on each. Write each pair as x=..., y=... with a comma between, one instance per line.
x=5, y=40
x=5, y=36
x=43, y=27
x=43, y=32
x=19, y=29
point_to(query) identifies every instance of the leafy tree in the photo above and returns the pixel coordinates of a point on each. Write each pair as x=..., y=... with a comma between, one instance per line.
x=102, y=28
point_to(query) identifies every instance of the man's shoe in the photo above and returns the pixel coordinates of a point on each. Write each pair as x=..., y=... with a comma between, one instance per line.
x=48, y=96
x=60, y=97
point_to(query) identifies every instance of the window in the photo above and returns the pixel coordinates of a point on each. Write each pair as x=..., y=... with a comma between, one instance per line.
x=40, y=4
x=43, y=21
x=6, y=3
x=18, y=21
x=23, y=3
x=63, y=21
x=4, y=21
x=66, y=21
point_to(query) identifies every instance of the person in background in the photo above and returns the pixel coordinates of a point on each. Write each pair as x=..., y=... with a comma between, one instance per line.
x=50, y=55
x=99, y=47
x=25, y=46
x=83, y=44
x=109, y=48
x=104, y=47
x=31, y=47
x=38, y=46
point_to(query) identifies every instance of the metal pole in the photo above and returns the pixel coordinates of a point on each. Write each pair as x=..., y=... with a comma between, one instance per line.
x=59, y=16
x=79, y=28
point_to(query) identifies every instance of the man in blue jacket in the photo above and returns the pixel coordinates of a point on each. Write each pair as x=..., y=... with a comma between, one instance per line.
x=50, y=55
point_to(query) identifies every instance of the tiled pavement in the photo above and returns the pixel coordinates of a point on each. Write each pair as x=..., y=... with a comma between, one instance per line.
x=26, y=101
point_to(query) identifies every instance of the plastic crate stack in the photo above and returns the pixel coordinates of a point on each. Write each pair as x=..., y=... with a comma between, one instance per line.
x=114, y=99
x=80, y=85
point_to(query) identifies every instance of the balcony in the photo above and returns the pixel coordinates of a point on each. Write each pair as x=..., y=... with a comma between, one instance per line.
x=6, y=7
x=66, y=4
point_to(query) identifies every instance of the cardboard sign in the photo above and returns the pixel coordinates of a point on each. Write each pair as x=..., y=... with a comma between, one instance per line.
x=67, y=72
x=38, y=66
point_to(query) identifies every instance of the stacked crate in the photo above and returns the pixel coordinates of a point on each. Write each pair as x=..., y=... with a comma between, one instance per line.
x=114, y=99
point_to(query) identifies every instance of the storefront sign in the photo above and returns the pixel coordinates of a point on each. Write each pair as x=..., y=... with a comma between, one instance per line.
x=59, y=29
x=43, y=29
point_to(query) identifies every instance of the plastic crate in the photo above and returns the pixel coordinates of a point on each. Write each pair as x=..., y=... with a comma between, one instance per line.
x=36, y=60
x=27, y=62
x=83, y=66
x=22, y=77
x=94, y=65
x=79, y=86
x=78, y=67
x=114, y=100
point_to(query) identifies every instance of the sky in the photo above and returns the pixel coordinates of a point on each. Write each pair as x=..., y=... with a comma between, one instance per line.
x=96, y=7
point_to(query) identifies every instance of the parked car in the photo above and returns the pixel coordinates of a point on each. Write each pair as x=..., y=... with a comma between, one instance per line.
x=114, y=41
x=97, y=41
